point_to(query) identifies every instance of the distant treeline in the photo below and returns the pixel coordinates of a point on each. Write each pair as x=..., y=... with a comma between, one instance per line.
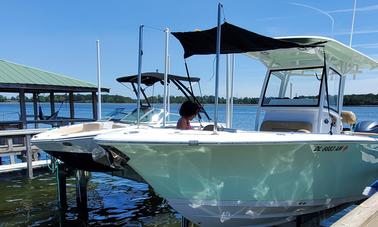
x=349, y=100
x=360, y=100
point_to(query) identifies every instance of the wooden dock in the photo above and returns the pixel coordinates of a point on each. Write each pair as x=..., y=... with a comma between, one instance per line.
x=23, y=166
x=17, y=142
x=366, y=214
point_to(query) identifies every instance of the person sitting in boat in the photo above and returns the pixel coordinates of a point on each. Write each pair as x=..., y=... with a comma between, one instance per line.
x=188, y=111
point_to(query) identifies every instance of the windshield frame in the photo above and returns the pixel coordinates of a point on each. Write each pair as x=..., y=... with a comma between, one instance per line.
x=288, y=69
x=338, y=92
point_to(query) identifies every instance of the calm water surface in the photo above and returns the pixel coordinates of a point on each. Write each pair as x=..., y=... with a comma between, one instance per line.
x=111, y=200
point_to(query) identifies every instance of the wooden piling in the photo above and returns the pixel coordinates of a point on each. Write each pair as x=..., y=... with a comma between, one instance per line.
x=29, y=155
x=186, y=223
x=81, y=193
x=62, y=185
x=94, y=106
x=10, y=148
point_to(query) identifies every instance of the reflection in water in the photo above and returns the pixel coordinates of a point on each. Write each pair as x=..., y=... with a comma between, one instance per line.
x=111, y=201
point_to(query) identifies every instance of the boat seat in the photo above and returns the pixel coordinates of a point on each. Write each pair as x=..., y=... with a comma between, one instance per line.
x=286, y=126
x=348, y=117
x=208, y=128
x=91, y=127
x=118, y=126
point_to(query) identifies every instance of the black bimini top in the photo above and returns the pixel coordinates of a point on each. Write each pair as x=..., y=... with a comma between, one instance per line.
x=233, y=40
x=150, y=78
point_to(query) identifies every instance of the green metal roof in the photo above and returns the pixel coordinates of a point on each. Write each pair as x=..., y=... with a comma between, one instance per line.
x=14, y=77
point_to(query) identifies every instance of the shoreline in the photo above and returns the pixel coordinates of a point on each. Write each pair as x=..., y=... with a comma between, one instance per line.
x=120, y=103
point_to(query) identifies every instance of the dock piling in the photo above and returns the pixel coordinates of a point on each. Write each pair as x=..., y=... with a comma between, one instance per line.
x=186, y=223
x=10, y=147
x=62, y=182
x=29, y=154
x=81, y=193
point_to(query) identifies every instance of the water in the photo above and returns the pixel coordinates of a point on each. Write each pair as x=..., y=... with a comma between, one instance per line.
x=111, y=200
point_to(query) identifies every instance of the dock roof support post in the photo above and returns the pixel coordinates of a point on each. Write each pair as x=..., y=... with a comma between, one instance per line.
x=23, y=108
x=94, y=106
x=72, y=106
x=52, y=103
x=35, y=109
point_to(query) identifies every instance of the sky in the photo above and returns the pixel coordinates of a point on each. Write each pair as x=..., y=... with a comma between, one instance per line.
x=60, y=36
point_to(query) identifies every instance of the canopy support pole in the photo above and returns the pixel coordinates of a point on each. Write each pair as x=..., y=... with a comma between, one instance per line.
x=98, y=80
x=229, y=88
x=140, y=53
x=232, y=88
x=217, y=69
x=165, y=75
x=169, y=89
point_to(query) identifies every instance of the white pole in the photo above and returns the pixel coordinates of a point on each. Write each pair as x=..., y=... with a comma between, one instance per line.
x=169, y=89
x=165, y=75
x=232, y=88
x=352, y=29
x=228, y=90
x=98, y=80
x=140, y=53
x=217, y=68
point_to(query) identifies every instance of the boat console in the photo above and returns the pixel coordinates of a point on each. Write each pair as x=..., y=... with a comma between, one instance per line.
x=295, y=100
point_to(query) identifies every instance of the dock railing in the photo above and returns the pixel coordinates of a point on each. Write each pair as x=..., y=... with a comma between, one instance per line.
x=16, y=142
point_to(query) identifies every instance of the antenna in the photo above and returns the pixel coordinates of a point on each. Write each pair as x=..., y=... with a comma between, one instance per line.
x=352, y=29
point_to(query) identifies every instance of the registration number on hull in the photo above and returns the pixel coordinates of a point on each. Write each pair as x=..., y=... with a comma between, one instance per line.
x=328, y=148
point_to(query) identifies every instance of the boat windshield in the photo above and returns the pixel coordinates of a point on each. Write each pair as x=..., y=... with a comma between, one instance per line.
x=293, y=87
x=116, y=115
x=147, y=115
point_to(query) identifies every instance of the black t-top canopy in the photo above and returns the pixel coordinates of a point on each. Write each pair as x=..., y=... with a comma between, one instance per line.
x=233, y=40
x=150, y=78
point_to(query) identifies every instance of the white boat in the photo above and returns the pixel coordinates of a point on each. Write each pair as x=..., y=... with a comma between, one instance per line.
x=74, y=144
x=298, y=161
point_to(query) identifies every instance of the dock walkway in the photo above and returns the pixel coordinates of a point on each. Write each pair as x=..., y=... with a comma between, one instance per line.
x=366, y=214
x=17, y=142
x=23, y=165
